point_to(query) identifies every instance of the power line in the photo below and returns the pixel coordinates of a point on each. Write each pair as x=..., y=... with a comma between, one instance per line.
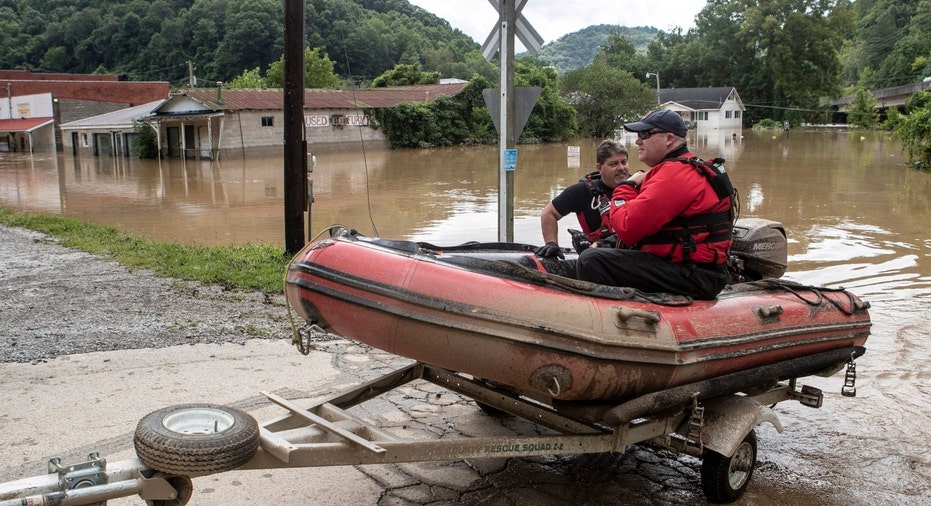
x=784, y=108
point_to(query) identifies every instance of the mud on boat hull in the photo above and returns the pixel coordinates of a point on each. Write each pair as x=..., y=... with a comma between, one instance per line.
x=547, y=337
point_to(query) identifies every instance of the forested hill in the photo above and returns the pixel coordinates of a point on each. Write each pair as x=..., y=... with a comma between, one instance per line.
x=155, y=40
x=576, y=50
x=870, y=43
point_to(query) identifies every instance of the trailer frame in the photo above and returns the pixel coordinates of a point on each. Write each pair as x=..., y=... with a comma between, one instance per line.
x=327, y=434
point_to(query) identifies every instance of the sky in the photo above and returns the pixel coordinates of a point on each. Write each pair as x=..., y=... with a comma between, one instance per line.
x=554, y=18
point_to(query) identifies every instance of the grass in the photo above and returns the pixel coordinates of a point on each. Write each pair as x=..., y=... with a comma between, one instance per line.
x=248, y=267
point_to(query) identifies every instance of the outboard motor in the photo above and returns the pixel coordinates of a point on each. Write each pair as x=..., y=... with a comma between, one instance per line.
x=759, y=250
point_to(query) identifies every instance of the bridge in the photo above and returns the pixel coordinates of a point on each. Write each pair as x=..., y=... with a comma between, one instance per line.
x=887, y=97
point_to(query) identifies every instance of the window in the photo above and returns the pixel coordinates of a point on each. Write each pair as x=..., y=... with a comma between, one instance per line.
x=84, y=140
x=736, y=114
x=268, y=121
x=727, y=114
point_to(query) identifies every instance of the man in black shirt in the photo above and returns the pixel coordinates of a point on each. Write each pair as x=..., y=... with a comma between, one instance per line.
x=588, y=199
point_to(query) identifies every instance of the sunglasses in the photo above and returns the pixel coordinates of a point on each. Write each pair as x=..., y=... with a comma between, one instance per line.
x=647, y=134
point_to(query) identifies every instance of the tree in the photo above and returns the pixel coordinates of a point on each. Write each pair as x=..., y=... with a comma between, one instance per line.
x=250, y=79
x=862, y=112
x=145, y=141
x=891, y=42
x=253, y=38
x=915, y=129
x=424, y=124
x=405, y=75
x=605, y=98
x=620, y=53
x=318, y=71
x=552, y=118
x=780, y=54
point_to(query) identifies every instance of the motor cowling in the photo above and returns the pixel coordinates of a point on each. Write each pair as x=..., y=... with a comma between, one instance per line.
x=759, y=250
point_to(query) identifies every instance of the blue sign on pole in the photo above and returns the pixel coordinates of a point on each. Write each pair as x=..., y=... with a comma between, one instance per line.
x=510, y=159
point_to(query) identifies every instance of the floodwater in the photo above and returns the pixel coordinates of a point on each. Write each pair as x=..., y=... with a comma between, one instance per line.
x=855, y=214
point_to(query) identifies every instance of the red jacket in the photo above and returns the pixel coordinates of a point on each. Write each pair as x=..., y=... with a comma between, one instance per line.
x=670, y=190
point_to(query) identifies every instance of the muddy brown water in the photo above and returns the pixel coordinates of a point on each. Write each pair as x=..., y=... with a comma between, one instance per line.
x=855, y=215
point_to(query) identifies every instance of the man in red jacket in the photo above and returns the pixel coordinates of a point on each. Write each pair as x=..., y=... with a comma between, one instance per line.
x=674, y=227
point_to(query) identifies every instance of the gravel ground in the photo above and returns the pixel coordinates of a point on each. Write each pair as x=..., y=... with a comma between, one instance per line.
x=58, y=301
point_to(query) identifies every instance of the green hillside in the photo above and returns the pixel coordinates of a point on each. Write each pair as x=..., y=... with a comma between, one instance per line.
x=576, y=50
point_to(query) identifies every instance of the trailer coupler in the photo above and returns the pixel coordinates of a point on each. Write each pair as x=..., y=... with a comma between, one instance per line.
x=93, y=482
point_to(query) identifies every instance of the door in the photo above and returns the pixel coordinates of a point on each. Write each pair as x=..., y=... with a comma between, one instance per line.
x=174, y=141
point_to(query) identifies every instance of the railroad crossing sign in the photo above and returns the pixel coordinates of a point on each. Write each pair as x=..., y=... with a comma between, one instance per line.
x=524, y=31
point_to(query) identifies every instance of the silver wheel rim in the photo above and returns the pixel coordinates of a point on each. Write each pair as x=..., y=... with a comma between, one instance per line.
x=198, y=421
x=741, y=462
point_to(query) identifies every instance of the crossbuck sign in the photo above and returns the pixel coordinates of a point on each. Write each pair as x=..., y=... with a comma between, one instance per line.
x=525, y=33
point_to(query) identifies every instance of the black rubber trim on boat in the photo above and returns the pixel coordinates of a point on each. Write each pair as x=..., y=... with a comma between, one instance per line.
x=728, y=384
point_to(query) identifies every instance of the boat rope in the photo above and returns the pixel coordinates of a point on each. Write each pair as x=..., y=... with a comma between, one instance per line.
x=797, y=290
x=303, y=340
x=365, y=160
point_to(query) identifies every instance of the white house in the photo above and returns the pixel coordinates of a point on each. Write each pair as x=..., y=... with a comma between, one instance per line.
x=705, y=108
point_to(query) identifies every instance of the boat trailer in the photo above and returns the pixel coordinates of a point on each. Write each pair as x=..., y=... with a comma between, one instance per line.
x=177, y=443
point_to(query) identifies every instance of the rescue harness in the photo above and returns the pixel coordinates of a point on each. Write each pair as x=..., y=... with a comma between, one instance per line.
x=601, y=202
x=718, y=225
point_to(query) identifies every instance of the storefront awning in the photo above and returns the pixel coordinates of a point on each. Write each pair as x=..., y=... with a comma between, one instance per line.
x=26, y=125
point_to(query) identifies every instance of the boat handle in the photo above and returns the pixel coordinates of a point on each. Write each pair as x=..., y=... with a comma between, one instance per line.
x=767, y=311
x=626, y=313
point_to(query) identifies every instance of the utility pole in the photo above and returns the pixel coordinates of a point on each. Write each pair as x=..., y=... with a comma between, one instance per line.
x=659, y=102
x=295, y=147
x=191, y=79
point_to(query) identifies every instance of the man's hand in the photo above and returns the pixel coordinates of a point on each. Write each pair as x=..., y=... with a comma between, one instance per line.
x=549, y=250
x=637, y=177
x=579, y=240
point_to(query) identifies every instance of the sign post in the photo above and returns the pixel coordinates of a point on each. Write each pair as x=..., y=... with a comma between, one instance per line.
x=501, y=38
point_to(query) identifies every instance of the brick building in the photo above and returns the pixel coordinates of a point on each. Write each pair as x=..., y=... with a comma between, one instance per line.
x=62, y=98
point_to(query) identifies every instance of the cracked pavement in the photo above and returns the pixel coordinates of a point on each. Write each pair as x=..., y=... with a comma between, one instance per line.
x=88, y=347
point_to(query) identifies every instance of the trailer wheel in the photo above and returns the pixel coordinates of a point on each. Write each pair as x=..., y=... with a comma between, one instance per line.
x=487, y=408
x=490, y=410
x=196, y=439
x=725, y=479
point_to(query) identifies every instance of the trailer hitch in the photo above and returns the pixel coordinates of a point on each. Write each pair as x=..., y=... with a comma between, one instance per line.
x=94, y=482
x=86, y=474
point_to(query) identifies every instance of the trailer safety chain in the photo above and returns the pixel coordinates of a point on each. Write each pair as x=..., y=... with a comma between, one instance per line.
x=850, y=379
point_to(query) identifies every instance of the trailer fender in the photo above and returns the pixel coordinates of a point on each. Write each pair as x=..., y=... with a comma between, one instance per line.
x=727, y=420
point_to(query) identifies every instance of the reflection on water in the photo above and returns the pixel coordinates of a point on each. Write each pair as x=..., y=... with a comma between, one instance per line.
x=855, y=216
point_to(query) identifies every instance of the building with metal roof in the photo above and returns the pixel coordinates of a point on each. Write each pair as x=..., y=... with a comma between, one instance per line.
x=202, y=122
x=63, y=98
x=106, y=134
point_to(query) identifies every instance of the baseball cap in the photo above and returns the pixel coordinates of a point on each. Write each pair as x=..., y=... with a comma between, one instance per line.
x=664, y=119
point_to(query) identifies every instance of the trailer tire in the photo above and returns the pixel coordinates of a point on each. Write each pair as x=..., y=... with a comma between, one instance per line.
x=490, y=410
x=196, y=439
x=725, y=479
